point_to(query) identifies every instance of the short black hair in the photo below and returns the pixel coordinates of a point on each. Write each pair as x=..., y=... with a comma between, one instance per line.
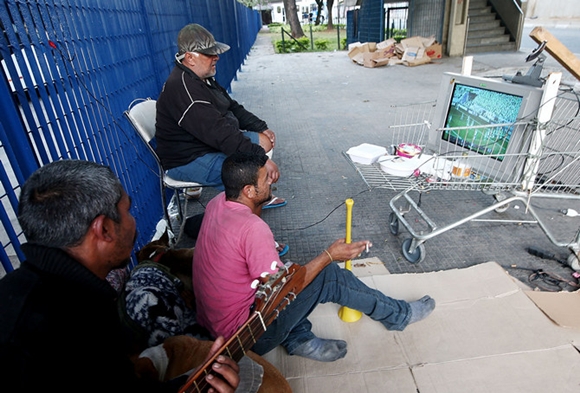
x=239, y=170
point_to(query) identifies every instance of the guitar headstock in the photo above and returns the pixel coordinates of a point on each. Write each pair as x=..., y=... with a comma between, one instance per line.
x=274, y=292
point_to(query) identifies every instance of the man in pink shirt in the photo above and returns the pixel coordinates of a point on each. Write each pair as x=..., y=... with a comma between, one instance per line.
x=235, y=247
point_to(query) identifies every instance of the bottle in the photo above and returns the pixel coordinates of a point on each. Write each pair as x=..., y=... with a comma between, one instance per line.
x=461, y=167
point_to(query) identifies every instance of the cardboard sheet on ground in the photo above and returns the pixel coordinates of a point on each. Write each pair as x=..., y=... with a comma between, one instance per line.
x=486, y=335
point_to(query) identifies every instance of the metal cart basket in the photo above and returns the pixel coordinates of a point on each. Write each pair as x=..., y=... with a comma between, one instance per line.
x=545, y=165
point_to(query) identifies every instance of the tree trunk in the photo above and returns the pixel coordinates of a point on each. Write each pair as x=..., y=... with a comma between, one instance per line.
x=292, y=18
x=319, y=5
x=329, y=5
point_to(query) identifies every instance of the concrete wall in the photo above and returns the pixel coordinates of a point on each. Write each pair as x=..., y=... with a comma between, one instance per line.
x=545, y=9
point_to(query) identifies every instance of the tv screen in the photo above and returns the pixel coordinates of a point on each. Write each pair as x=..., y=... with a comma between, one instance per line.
x=491, y=121
x=478, y=109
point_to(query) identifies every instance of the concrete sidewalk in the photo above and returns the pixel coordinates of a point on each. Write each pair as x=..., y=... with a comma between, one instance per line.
x=320, y=105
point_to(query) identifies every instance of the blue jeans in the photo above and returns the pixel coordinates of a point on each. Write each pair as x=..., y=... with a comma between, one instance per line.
x=207, y=169
x=336, y=285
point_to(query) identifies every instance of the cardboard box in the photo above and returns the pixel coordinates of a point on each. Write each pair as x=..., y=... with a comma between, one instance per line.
x=413, y=53
x=428, y=41
x=434, y=51
x=419, y=61
x=386, y=43
x=560, y=307
x=357, y=51
x=410, y=52
x=354, y=49
x=370, y=62
x=485, y=335
x=412, y=42
x=384, y=52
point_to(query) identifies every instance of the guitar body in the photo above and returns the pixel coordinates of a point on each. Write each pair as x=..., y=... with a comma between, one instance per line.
x=185, y=353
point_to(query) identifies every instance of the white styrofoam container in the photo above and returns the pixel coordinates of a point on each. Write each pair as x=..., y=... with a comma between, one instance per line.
x=366, y=153
x=405, y=167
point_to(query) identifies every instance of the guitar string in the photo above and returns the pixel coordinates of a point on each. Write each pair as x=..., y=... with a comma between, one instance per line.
x=201, y=385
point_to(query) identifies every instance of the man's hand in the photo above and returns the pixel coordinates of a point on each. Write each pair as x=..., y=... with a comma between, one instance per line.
x=226, y=367
x=273, y=171
x=338, y=251
x=342, y=251
x=271, y=136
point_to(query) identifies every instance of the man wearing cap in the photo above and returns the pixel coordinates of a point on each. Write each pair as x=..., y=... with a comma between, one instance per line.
x=199, y=124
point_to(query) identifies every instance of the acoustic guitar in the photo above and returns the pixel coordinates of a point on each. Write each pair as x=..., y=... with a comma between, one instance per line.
x=273, y=294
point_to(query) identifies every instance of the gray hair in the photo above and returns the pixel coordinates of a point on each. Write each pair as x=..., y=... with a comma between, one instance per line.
x=59, y=201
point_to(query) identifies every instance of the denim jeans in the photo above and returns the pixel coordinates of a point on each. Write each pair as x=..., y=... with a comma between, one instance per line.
x=336, y=285
x=207, y=169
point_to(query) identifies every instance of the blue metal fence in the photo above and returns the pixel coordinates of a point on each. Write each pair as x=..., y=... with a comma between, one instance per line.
x=69, y=70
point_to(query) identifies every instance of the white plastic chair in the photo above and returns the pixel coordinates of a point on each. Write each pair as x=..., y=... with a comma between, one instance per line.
x=141, y=115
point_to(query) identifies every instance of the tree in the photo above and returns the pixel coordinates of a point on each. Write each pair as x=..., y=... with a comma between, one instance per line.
x=319, y=5
x=329, y=5
x=292, y=18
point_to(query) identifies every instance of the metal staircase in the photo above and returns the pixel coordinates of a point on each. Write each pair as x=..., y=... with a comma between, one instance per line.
x=486, y=32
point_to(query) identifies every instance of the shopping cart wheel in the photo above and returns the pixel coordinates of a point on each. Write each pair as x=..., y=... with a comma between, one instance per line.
x=394, y=223
x=417, y=255
x=502, y=209
x=500, y=197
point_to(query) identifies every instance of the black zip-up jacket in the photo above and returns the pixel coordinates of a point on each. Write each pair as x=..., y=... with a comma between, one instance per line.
x=60, y=330
x=196, y=117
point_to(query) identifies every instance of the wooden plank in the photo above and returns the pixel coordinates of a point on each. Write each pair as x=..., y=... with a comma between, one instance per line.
x=557, y=50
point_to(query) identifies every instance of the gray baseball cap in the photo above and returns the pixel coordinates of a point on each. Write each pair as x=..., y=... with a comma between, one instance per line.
x=195, y=38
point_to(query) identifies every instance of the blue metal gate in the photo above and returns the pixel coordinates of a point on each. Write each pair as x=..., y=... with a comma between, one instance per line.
x=69, y=70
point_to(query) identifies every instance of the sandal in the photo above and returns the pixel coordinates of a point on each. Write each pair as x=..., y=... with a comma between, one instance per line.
x=282, y=249
x=193, y=192
x=275, y=202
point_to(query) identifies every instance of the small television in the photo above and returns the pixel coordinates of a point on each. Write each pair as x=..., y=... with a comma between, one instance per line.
x=488, y=121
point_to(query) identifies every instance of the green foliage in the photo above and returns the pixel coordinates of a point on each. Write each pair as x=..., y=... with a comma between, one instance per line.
x=321, y=44
x=304, y=43
x=398, y=34
x=290, y=45
x=322, y=40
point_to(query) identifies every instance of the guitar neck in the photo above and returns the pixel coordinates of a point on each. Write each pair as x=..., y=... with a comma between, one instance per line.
x=272, y=296
x=235, y=348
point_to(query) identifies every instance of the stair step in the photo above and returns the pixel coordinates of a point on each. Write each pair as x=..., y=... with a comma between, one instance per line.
x=510, y=46
x=484, y=25
x=477, y=4
x=498, y=31
x=479, y=11
x=483, y=18
x=487, y=40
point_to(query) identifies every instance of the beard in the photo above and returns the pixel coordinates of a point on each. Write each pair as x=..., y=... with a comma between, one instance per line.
x=266, y=198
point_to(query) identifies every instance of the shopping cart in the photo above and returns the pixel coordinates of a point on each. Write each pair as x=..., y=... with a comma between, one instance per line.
x=545, y=165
